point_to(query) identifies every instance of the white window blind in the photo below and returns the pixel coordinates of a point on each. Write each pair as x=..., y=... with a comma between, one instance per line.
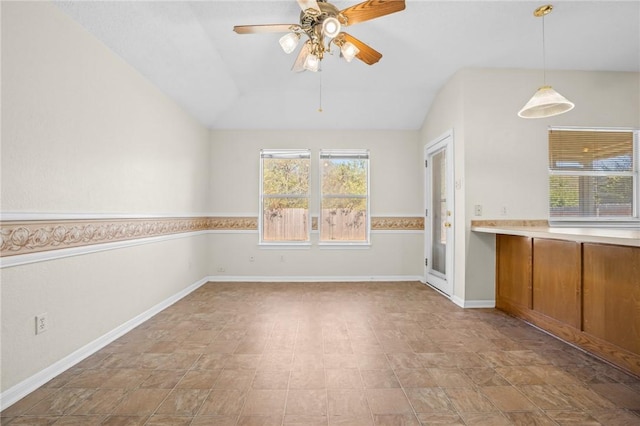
x=344, y=197
x=284, y=196
x=593, y=174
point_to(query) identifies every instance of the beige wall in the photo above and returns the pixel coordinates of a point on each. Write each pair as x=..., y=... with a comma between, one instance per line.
x=396, y=181
x=395, y=171
x=502, y=158
x=83, y=133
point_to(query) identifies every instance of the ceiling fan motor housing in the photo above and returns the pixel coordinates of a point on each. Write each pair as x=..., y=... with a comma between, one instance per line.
x=311, y=21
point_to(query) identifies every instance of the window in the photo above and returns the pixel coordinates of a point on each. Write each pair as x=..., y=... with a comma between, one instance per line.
x=344, y=196
x=284, y=196
x=593, y=175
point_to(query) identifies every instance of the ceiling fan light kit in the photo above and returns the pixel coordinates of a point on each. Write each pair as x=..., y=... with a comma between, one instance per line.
x=545, y=102
x=349, y=51
x=322, y=23
x=331, y=27
x=312, y=62
x=289, y=42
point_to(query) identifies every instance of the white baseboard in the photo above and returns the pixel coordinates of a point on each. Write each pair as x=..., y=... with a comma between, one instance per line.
x=477, y=304
x=22, y=389
x=306, y=278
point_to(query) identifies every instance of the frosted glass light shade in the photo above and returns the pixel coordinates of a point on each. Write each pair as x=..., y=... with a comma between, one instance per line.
x=289, y=41
x=546, y=102
x=312, y=63
x=331, y=27
x=349, y=51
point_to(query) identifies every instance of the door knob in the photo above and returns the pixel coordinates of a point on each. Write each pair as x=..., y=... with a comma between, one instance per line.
x=447, y=224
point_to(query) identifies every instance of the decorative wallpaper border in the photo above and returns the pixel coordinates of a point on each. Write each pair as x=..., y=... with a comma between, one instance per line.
x=25, y=237
x=397, y=223
x=37, y=236
x=510, y=222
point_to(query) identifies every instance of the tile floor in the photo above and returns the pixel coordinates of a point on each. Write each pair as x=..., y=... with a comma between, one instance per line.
x=332, y=354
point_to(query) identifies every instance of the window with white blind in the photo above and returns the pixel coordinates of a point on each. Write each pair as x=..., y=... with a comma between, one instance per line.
x=284, y=196
x=344, y=197
x=593, y=175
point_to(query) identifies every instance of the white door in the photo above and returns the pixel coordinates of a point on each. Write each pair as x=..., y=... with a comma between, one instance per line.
x=439, y=214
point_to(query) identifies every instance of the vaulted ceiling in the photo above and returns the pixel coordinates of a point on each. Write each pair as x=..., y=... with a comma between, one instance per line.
x=231, y=81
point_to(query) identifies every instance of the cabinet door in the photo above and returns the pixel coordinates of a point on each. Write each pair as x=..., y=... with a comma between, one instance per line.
x=612, y=294
x=513, y=272
x=557, y=280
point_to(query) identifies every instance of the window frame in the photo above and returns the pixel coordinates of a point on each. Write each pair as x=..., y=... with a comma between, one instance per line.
x=345, y=154
x=284, y=154
x=600, y=221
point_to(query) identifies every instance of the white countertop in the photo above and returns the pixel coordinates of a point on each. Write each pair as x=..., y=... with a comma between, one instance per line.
x=623, y=237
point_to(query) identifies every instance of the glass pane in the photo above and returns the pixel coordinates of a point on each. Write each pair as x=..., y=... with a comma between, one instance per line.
x=439, y=196
x=343, y=219
x=285, y=219
x=285, y=176
x=344, y=176
x=591, y=196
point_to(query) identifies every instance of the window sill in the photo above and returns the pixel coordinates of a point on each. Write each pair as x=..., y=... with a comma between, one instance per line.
x=285, y=246
x=348, y=246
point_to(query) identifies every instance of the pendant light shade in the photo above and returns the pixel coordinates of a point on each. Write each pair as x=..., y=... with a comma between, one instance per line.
x=546, y=102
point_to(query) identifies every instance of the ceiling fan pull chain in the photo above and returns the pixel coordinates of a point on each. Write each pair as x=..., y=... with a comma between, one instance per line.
x=320, y=108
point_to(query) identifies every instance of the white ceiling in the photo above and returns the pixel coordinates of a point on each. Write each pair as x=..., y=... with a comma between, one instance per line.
x=231, y=81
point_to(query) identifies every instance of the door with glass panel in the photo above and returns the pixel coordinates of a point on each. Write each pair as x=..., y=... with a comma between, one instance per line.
x=439, y=225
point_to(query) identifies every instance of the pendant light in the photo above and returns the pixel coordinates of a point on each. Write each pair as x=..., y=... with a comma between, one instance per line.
x=546, y=102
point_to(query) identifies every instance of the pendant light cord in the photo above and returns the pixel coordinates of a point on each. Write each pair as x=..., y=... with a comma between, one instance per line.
x=544, y=56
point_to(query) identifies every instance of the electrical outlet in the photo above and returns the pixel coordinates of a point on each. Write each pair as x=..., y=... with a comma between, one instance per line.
x=221, y=269
x=282, y=258
x=42, y=323
x=503, y=212
x=478, y=210
x=252, y=259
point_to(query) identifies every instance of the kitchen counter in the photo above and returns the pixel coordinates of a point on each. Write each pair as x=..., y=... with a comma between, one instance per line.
x=541, y=229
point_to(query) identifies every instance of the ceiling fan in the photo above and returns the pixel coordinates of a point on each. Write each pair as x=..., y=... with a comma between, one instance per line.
x=322, y=23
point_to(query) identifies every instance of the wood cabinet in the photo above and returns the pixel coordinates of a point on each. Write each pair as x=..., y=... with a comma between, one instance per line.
x=557, y=280
x=585, y=293
x=513, y=271
x=612, y=294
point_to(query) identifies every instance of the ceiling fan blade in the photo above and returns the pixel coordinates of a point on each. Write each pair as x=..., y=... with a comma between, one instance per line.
x=367, y=54
x=371, y=9
x=269, y=28
x=309, y=4
x=298, y=65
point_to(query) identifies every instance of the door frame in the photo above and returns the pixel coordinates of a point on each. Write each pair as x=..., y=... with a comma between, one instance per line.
x=444, y=141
